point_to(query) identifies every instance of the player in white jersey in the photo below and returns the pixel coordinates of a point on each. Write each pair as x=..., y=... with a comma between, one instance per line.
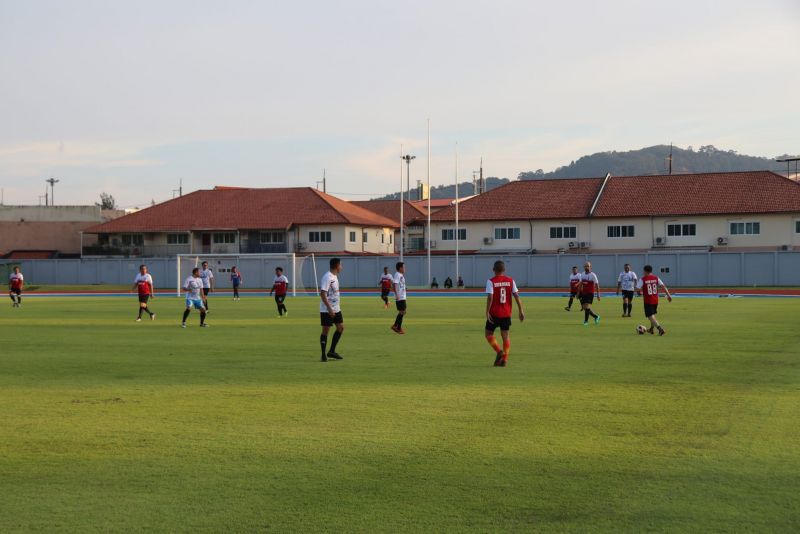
x=399, y=283
x=15, y=283
x=193, y=286
x=207, y=278
x=385, y=283
x=330, y=311
x=626, y=281
x=143, y=284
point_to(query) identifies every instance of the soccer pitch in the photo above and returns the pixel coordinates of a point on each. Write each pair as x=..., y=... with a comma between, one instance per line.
x=113, y=425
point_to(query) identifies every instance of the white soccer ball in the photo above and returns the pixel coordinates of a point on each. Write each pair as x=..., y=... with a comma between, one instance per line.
x=641, y=329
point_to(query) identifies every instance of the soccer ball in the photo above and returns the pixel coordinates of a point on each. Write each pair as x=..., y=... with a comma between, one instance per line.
x=641, y=329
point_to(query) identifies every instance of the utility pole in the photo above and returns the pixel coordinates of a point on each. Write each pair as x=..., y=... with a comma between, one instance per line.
x=474, y=182
x=179, y=190
x=482, y=184
x=52, y=182
x=670, y=159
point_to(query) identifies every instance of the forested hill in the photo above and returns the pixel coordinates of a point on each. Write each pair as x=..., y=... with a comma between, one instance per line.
x=645, y=161
x=653, y=160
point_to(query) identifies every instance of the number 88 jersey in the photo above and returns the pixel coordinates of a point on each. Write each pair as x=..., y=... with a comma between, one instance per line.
x=501, y=288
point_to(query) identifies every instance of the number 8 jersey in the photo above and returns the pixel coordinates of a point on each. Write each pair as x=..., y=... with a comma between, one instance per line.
x=649, y=286
x=501, y=288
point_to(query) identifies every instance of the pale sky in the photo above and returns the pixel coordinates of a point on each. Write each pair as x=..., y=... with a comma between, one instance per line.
x=128, y=97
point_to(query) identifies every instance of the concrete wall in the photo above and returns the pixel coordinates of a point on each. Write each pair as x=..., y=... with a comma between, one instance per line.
x=776, y=231
x=50, y=213
x=678, y=269
x=48, y=227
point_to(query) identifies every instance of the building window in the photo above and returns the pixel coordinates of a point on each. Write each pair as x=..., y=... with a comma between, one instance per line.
x=383, y=238
x=227, y=237
x=797, y=227
x=364, y=235
x=270, y=237
x=319, y=237
x=745, y=228
x=506, y=233
x=563, y=232
x=678, y=230
x=352, y=237
x=449, y=234
x=620, y=230
x=133, y=240
x=177, y=239
x=391, y=238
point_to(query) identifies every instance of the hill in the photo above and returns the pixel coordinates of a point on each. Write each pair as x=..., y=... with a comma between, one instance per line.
x=654, y=160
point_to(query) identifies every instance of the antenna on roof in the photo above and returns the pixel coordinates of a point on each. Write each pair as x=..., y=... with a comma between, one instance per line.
x=481, y=183
x=179, y=190
x=323, y=182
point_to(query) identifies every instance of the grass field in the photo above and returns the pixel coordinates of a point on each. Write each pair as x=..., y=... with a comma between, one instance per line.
x=113, y=425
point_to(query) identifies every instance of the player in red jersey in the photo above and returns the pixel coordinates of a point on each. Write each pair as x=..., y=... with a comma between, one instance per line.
x=499, y=290
x=143, y=284
x=574, y=280
x=280, y=285
x=588, y=286
x=386, y=282
x=648, y=287
x=15, y=283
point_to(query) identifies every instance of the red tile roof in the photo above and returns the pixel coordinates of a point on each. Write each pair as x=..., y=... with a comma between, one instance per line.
x=698, y=194
x=435, y=203
x=391, y=209
x=531, y=199
x=243, y=209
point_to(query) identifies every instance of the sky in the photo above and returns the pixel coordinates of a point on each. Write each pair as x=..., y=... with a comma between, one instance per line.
x=129, y=98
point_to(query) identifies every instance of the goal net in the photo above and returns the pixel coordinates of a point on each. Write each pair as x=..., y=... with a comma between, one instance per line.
x=257, y=270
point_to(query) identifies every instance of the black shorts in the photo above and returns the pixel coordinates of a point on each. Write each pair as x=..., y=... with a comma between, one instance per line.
x=573, y=294
x=326, y=320
x=503, y=322
x=587, y=299
x=650, y=309
x=16, y=291
x=401, y=305
x=206, y=290
x=280, y=298
x=143, y=299
x=627, y=295
x=385, y=293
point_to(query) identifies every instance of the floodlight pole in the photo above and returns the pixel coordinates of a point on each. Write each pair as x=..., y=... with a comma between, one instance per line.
x=407, y=158
x=428, y=245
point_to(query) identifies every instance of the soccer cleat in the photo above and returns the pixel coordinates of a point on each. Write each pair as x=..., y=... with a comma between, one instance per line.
x=153, y=317
x=183, y=325
x=567, y=308
x=335, y=356
x=323, y=358
x=661, y=331
x=498, y=361
x=396, y=329
x=650, y=331
x=585, y=323
x=203, y=325
x=502, y=363
x=138, y=319
x=597, y=320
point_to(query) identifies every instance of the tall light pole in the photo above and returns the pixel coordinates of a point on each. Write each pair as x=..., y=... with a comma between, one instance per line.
x=407, y=158
x=52, y=182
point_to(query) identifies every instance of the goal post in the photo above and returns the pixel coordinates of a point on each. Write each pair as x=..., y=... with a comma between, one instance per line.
x=257, y=269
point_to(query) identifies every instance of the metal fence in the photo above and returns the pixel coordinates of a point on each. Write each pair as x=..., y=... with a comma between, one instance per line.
x=677, y=269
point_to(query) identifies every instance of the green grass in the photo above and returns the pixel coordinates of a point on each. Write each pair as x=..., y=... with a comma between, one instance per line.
x=111, y=425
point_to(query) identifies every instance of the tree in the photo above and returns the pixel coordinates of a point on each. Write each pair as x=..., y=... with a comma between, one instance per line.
x=107, y=202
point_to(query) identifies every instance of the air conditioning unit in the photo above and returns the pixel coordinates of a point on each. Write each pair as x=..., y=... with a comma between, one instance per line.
x=585, y=244
x=722, y=241
x=433, y=244
x=300, y=246
x=784, y=247
x=488, y=240
x=572, y=244
x=660, y=241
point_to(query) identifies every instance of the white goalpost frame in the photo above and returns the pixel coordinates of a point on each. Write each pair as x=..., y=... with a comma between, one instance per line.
x=292, y=257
